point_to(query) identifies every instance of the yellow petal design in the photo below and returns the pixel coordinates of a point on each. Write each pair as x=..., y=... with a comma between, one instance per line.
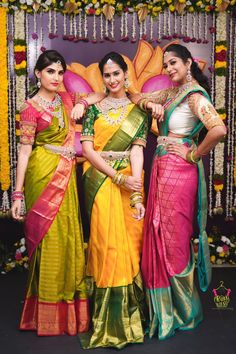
x=108, y=11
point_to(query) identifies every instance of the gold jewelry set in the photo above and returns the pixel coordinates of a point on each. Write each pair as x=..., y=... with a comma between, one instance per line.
x=135, y=198
x=111, y=105
x=53, y=107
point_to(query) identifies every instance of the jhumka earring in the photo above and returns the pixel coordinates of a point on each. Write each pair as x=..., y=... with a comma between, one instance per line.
x=105, y=90
x=127, y=83
x=38, y=83
x=189, y=76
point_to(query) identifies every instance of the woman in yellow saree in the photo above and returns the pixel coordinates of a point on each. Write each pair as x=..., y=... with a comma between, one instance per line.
x=56, y=301
x=114, y=134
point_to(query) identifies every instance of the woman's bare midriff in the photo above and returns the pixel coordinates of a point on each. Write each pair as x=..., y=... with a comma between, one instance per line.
x=176, y=135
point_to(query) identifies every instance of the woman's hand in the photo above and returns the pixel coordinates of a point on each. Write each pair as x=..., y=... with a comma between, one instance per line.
x=134, y=183
x=78, y=111
x=16, y=210
x=157, y=110
x=179, y=149
x=140, y=211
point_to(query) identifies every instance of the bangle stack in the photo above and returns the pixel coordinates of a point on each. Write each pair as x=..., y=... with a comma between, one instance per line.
x=190, y=157
x=119, y=178
x=17, y=195
x=84, y=103
x=135, y=198
x=142, y=103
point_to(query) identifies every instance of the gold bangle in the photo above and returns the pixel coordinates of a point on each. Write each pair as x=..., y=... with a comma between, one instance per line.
x=192, y=157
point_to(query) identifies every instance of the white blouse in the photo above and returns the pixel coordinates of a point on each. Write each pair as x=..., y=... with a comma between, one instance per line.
x=182, y=121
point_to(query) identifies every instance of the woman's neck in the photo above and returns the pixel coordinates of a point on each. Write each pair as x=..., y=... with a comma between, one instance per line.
x=47, y=95
x=120, y=94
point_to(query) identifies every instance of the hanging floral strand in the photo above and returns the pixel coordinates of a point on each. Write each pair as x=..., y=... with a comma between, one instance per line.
x=211, y=155
x=4, y=137
x=220, y=75
x=231, y=123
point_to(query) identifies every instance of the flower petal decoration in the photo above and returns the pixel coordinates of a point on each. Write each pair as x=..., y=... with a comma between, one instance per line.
x=108, y=11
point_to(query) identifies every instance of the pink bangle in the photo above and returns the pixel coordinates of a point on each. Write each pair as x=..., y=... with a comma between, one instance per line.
x=83, y=102
x=17, y=195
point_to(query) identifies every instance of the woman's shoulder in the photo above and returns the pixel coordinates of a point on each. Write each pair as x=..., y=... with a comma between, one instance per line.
x=30, y=105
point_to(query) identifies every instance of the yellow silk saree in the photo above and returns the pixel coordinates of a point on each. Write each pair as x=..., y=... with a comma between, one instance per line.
x=113, y=265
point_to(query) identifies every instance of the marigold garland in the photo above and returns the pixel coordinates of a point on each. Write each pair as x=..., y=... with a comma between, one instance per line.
x=220, y=72
x=4, y=136
x=111, y=7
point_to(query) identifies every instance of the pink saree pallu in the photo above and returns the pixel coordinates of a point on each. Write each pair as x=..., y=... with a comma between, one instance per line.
x=167, y=261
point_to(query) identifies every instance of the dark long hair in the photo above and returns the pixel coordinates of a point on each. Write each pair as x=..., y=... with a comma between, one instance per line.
x=183, y=53
x=116, y=57
x=47, y=58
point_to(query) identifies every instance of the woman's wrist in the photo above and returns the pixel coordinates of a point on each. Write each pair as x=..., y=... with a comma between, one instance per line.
x=191, y=156
x=84, y=103
x=17, y=195
x=136, y=198
x=119, y=178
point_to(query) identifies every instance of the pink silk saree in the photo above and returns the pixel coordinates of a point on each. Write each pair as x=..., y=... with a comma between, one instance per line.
x=167, y=258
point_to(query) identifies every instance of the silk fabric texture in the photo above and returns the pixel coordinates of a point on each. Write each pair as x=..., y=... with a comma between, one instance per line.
x=113, y=266
x=56, y=300
x=167, y=259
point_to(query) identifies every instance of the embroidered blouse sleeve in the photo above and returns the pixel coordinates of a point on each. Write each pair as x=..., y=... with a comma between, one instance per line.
x=141, y=138
x=204, y=110
x=87, y=133
x=159, y=97
x=28, y=124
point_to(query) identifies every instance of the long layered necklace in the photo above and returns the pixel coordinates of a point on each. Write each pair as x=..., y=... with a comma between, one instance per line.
x=53, y=107
x=111, y=105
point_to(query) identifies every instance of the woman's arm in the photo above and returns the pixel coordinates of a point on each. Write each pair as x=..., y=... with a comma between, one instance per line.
x=152, y=102
x=83, y=102
x=133, y=183
x=23, y=158
x=136, y=160
x=206, y=112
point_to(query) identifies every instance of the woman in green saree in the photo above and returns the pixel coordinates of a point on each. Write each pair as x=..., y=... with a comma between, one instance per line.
x=56, y=301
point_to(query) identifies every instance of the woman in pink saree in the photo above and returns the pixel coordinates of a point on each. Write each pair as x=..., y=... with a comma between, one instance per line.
x=56, y=301
x=177, y=178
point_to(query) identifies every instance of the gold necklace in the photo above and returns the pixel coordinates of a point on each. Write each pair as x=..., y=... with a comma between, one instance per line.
x=110, y=105
x=53, y=107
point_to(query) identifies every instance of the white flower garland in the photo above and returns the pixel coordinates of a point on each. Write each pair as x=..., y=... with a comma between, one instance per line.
x=220, y=86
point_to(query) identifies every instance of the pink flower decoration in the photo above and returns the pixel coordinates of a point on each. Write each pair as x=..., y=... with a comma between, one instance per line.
x=212, y=30
x=19, y=57
x=18, y=256
x=225, y=248
x=34, y=36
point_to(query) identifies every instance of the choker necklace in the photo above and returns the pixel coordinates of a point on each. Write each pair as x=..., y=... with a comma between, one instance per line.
x=53, y=107
x=111, y=103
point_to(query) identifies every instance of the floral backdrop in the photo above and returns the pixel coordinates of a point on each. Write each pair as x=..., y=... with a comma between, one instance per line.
x=207, y=23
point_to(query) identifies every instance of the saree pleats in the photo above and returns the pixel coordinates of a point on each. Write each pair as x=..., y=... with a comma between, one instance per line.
x=167, y=262
x=56, y=301
x=118, y=314
x=113, y=265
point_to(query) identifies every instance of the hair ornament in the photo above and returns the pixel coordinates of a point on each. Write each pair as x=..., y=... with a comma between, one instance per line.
x=109, y=62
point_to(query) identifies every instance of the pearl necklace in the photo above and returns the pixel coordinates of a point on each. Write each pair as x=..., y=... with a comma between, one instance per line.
x=53, y=107
x=111, y=105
